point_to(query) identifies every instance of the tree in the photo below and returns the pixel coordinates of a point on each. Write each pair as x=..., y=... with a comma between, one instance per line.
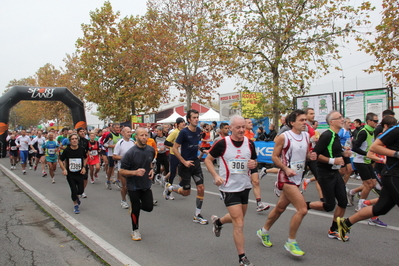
x=187, y=39
x=385, y=46
x=118, y=65
x=285, y=44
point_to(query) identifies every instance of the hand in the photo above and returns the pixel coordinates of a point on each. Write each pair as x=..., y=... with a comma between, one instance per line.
x=218, y=180
x=347, y=152
x=188, y=164
x=151, y=174
x=64, y=172
x=83, y=171
x=339, y=161
x=252, y=164
x=140, y=172
x=313, y=156
x=289, y=172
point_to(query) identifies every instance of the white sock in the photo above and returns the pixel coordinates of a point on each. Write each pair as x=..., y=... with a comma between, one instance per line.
x=264, y=231
x=291, y=240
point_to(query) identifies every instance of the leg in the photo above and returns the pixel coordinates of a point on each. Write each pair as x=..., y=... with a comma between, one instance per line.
x=237, y=213
x=295, y=197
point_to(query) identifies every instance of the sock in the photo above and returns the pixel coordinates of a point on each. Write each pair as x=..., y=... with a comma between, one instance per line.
x=264, y=231
x=291, y=240
x=199, y=201
x=373, y=218
x=218, y=222
x=367, y=202
x=308, y=205
x=240, y=256
x=347, y=222
x=351, y=192
x=334, y=226
x=258, y=200
x=322, y=199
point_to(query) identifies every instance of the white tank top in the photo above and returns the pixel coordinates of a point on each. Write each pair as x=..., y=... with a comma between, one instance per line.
x=234, y=167
x=293, y=155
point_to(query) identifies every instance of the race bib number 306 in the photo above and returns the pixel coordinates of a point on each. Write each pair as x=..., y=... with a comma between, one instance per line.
x=75, y=164
x=238, y=166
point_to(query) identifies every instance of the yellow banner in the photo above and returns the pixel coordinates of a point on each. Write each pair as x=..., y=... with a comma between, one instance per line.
x=251, y=104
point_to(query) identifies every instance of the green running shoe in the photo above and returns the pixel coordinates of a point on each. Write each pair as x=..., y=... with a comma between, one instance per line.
x=293, y=249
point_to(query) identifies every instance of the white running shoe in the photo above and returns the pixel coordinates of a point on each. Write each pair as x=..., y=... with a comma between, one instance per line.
x=262, y=207
x=84, y=195
x=262, y=173
x=52, y=180
x=136, y=236
x=124, y=205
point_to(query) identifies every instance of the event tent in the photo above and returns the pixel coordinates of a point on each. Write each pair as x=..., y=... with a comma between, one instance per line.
x=171, y=119
x=211, y=115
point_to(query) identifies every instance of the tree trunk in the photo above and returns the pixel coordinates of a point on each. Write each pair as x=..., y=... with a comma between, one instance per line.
x=276, y=96
x=189, y=95
x=133, y=108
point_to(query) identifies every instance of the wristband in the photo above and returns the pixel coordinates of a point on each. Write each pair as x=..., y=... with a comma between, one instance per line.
x=396, y=154
x=331, y=161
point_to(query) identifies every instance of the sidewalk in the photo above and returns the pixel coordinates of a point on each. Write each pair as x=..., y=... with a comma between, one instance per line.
x=29, y=236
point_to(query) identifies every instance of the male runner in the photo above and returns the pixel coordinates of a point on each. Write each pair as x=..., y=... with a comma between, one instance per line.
x=190, y=166
x=162, y=157
x=51, y=150
x=109, y=142
x=13, y=150
x=120, y=149
x=84, y=142
x=136, y=167
x=238, y=155
x=291, y=151
x=36, y=146
x=23, y=144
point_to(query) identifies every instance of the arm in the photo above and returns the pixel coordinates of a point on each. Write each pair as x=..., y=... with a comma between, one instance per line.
x=361, y=137
x=278, y=147
x=217, y=179
x=175, y=148
x=379, y=147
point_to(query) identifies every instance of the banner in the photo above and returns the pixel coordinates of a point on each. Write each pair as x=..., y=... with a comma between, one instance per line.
x=264, y=150
x=250, y=102
x=357, y=104
x=322, y=105
x=229, y=105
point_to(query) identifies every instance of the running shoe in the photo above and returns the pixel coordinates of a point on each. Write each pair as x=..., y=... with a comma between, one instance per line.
x=30, y=167
x=44, y=174
x=136, y=236
x=262, y=173
x=155, y=202
x=335, y=234
x=358, y=195
x=245, y=262
x=76, y=209
x=166, y=193
x=35, y=168
x=276, y=190
x=124, y=205
x=262, y=207
x=52, y=180
x=305, y=183
x=376, y=191
x=216, y=228
x=24, y=172
x=84, y=195
x=350, y=197
x=343, y=229
x=78, y=200
x=360, y=205
x=292, y=247
x=96, y=176
x=358, y=177
x=92, y=180
x=199, y=219
x=118, y=183
x=108, y=185
x=12, y=167
x=265, y=238
x=377, y=222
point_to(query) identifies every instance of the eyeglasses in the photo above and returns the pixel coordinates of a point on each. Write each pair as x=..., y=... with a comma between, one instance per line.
x=338, y=118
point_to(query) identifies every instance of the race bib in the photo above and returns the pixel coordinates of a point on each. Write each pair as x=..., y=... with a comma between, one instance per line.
x=298, y=167
x=14, y=148
x=51, y=151
x=75, y=164
x=40, y=150
x=93, y=152
x=238, y=166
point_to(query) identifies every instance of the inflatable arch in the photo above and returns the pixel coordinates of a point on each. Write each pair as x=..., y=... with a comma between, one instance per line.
x=24, y=93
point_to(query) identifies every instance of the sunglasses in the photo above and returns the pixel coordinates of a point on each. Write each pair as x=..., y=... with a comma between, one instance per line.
x=375, y=121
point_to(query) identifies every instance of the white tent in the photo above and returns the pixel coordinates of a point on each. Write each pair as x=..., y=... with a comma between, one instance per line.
x=211, y=115
x=171, y=119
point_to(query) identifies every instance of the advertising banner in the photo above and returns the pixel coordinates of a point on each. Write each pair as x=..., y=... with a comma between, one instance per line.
x=322, y=105
x=250, y=104
x=229, y=105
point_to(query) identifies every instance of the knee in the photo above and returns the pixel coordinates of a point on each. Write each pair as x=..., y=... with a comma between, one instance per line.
x=200, y=189
x=302, y=211
x=328, y=207
x=255, y=182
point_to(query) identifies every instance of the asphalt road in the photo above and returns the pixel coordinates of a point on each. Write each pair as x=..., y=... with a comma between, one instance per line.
x=169, y=237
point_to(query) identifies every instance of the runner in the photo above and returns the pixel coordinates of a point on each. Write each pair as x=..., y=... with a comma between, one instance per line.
x=84, y=142
x=238, y=155
x=260, y=206
x=51, y=151
x=22, y=142
x=387, y=145
x=330, y=159
x=93, y=158
x=291, y=151
x=37, y=147
x=73, y=164
x=190, y=166
x=205, y=140
x=121, y=147
x=174, y=162
x=13, y=149
x=136, y=167
x=109, y=142
x=162, y=157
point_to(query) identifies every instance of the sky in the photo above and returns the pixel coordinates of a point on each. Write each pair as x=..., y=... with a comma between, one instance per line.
x=37, y=32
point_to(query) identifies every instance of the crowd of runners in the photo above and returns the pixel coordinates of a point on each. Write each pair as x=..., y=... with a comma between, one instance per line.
x=171, y=155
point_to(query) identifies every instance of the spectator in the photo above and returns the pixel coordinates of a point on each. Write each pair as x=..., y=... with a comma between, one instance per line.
x=272, y=133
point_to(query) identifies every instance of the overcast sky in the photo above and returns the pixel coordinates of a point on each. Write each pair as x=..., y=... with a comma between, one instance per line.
x=37, y=32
